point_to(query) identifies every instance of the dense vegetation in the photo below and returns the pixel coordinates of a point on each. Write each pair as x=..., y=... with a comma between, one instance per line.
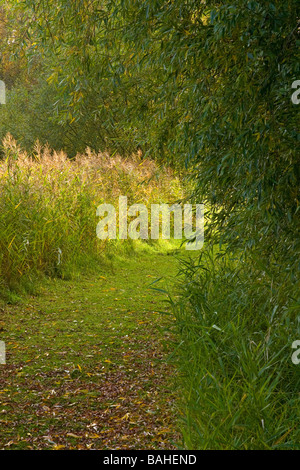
x=48, y=208
x=205, y=87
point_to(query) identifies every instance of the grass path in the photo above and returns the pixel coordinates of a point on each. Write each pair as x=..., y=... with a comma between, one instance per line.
x=84, y=362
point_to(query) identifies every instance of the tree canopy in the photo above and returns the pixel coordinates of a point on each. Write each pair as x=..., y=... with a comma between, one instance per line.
x=206, y=84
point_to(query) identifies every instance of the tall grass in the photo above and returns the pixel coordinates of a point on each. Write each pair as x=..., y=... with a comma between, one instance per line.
x=48, y=206
x=239, y=386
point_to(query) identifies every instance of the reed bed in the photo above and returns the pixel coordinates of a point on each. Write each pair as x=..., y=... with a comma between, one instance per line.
x=48, y=206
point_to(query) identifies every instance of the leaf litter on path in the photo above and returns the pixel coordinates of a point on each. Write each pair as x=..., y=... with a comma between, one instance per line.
x=82, y=374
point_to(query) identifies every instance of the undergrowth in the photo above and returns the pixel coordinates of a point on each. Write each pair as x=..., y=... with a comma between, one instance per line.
x=235, y=326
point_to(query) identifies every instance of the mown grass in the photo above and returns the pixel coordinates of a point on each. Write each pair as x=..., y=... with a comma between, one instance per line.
x=86, y=359
x=85, y=366
x=239, y=386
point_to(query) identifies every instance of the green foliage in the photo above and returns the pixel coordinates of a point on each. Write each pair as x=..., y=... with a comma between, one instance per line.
x=205, y=85
x=27, y=115
x=234, y=357
x=48, y=207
